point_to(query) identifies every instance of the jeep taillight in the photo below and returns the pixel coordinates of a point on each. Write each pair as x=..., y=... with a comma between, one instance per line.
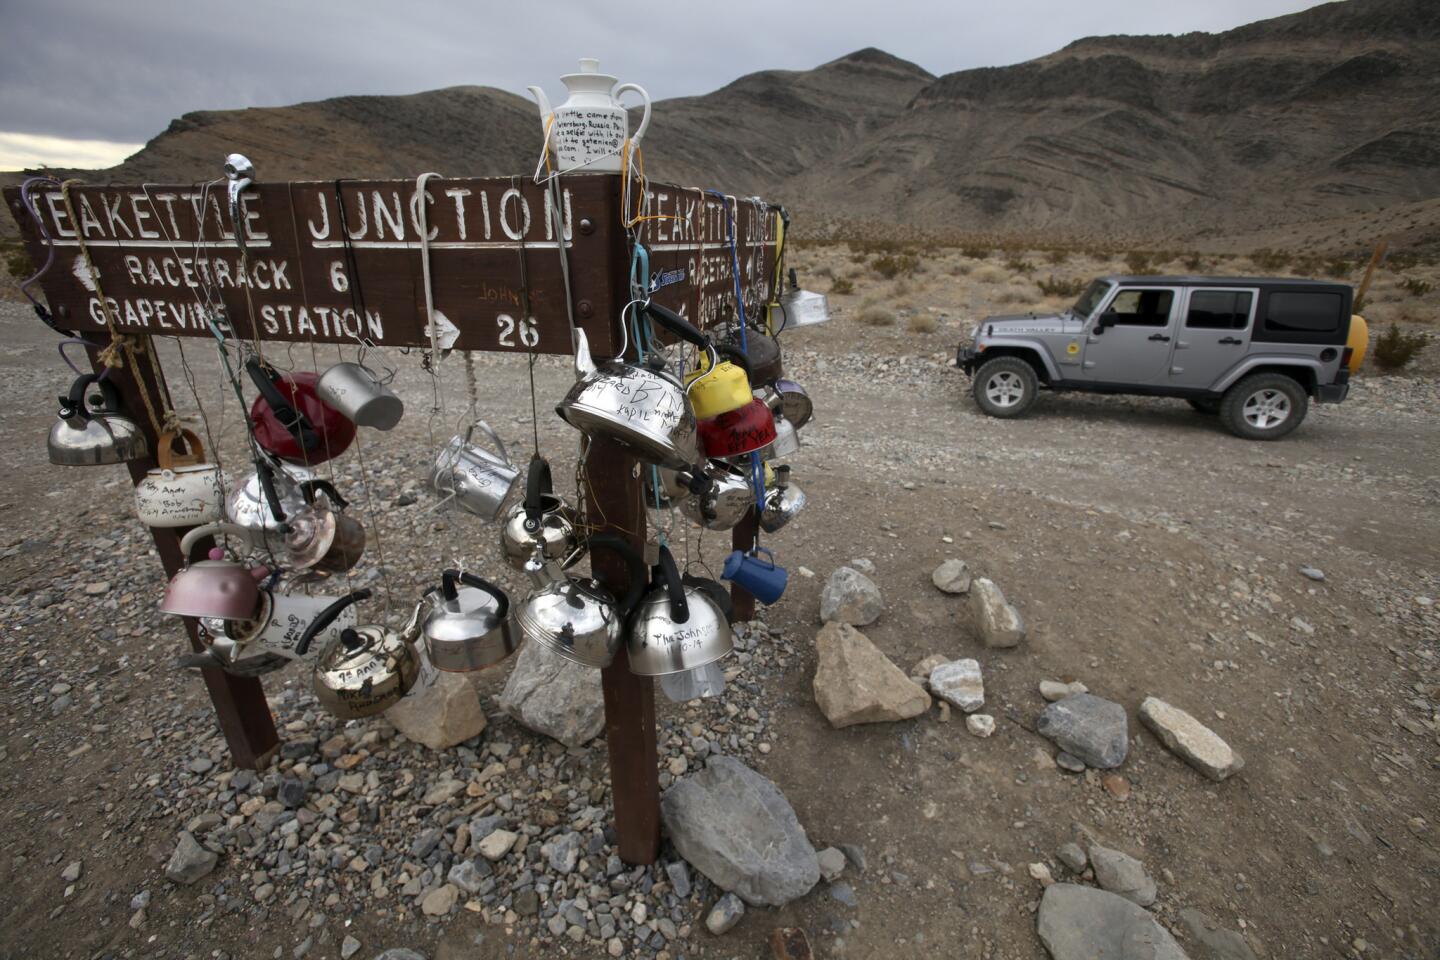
x=1345, y=357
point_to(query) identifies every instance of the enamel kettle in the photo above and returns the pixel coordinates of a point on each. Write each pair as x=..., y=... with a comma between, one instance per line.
x=588, y=131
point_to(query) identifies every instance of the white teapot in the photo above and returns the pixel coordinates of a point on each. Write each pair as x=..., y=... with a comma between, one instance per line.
x=588, y=130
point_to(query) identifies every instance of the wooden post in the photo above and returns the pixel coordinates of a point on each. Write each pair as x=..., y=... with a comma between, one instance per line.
x=613, y=502
x=742, y=537
x=239, y=701
x=1375, y=260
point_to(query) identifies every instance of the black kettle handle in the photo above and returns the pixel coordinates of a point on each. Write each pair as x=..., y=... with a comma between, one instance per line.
x=717, y=594
x=309, y=487
x=634, y=563
x=290, y=418
x=537, y=486
x=735, y=355
x=266, y=473
x=327, y=617
x=679, y=606
x=676, y=324
x=447, y=589
x=73, y=405
x=110, y=394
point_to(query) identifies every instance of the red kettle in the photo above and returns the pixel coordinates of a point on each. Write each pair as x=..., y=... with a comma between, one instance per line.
x=738, y=432
x=289, y=419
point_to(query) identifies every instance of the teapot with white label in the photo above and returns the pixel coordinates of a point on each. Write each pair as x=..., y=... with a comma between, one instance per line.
x=588, y=131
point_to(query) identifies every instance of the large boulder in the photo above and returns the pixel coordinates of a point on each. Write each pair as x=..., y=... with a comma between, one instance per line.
x=737, y=828
x=1082, y=923
x=1091, y=728
x=441, y=710
x=856, y=683
x=1189, y=739
x=850, y=597
x=553, y=696
x=997, y=623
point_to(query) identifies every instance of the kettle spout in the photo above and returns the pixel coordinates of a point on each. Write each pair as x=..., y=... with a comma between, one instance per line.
x=411, y=631
x=584, y=362
x=544, y=103
x=543, y=572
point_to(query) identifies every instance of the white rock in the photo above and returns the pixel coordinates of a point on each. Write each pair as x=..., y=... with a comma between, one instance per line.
x=952, y=576
x=980, y=724
x=555, y=697
x=1053, y=690
x=850, y=597
x=497, y=844
x=1190, y=739
x=441, y=710
x=856, y=683
x=997, y=623
x=959, y=682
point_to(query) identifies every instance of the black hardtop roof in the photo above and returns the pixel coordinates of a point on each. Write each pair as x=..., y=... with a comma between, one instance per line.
x=1224, y=281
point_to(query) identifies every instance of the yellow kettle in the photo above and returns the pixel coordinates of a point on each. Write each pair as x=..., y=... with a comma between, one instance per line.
x=717, y=388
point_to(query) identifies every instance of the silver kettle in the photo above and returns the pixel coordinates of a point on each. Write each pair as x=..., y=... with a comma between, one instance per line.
x=468, y=627
x=722, y=500
x=366, y=669
x=577, y=617
x=677, y=625
x=96, y=433
x=544, y=521
x=783, y=502
x=266, y=500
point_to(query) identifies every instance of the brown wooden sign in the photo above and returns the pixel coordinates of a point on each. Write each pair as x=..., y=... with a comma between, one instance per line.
x=338, y=263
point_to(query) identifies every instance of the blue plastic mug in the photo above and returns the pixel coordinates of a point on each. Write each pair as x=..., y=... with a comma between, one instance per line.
x=762, y=579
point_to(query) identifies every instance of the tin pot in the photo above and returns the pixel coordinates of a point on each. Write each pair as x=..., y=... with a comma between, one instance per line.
x=716, y=388
x=183, y=490
x=542, y=520
x=289, y=420
x=482, y=483
x=96, y=433
x=319, y=537
x=676, y=626
x=783, y=502
x=365, y=670
x=281, y=622
x=793, y=402
x=468, y=626
x=355, y=391
x=577, y=617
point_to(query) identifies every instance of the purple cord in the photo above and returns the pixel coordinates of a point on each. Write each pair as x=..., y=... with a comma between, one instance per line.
x=49, y=246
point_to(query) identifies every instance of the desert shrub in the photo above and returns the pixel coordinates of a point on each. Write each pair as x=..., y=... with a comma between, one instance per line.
x=17, y=261
x=1416, y=287
x=842, y=286
x=1195, y=263
x=1138, y=262
x=859, y=256
x=1057, y=255
x=1013, y=295
x=891, y=265
x=826, y=271
x=1271, y=261
x=976, y=252
x=989, y=273
x=1402, y=261
x=876, y=315
x=1394, y=349
x=922, y=323
x=1018, y=265
x=1338, y=268
x=1061, y=288
x=961, y=268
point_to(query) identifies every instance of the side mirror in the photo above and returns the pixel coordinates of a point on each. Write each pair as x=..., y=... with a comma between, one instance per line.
x=1103, y=321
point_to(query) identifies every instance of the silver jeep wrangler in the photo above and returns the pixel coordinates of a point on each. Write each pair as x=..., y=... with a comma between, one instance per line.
x=1255, y=351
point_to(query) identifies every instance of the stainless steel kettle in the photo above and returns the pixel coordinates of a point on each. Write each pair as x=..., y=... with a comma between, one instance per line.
x=677, y=626
x=783, y=502
x=265, y=501
x=577, y=617
x=721, y=501
x=468, y=627
x=367, y=669
x=542, y=520
x=96, y=433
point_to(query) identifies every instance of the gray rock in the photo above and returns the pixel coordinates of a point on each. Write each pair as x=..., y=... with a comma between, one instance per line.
x=349, y=947
x=440, y=901
x=1088, y=727
x=842, y=892
x=1313, y=573
x=1053, y=690
x=140, y=901
x=1082, y=923
x=959, y=682
x=850, y=597
x=1189, y=739
x=855, y=854
x=190, y=861
x=562, y=852
x=201, y=765
x=736, y=828
x=441, y=710
x=71, y=873
x=1069, y=762
x=679, y=875
x=725, y=914
x=527, y=903
x=997, y=623
x=468, y=876
x=291, y=792
x=1123, y=874
x=865, y=565
x=554, y=697
x=1218, y=943
x=1073, y=856
x=952, y=576
x=856, y=683
x=399, y=953
x=832, y=863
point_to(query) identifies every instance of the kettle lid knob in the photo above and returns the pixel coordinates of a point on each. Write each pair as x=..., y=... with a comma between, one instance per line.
x=589, y=65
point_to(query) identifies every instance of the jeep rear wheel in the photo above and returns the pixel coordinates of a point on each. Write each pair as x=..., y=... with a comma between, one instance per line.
x=1266, y=406
x=1005, y=387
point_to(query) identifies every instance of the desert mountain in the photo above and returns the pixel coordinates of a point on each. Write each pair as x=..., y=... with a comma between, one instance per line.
x=1325, y=116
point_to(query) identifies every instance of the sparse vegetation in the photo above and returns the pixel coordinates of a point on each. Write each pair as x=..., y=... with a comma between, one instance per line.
x=1057, y=255
x=842, y=286
x=876, y=315
x=1138, y=262
x=961, y=268
x=1061, y=288
x=922, y=323
x=891, y=265
x=1013, y=295
x=1271, y=261
x=975, y=252
x=1394, y=349
x=17, y=260
x=1338, y=268
x=1416, y=287
x=989, y=273
x=1018, y=265
x=1196, y=263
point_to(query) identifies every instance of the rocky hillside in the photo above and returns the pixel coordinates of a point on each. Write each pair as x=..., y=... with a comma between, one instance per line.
x=1323, y=117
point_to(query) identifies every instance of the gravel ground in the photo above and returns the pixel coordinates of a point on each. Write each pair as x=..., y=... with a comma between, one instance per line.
x=1149, y=552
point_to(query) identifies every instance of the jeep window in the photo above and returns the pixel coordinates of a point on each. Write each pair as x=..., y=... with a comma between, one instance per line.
x=1091, y=298
x=1219, y=310
x=1292, y=312
x=1140, y=308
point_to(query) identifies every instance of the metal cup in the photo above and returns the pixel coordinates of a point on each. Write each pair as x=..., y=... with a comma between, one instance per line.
x=356, y=392
x=482, y=483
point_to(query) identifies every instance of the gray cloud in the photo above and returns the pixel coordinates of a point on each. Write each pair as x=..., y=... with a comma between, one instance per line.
x=120, y=71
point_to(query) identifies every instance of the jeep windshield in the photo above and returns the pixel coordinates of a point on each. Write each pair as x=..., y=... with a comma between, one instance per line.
x=1090, y=299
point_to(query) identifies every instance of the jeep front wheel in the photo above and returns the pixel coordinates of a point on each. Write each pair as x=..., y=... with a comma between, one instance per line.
x=1006, y=387
x=1266, y=406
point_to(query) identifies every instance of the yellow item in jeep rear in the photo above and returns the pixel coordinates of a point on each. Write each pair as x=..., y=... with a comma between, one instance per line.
x=1358, y=341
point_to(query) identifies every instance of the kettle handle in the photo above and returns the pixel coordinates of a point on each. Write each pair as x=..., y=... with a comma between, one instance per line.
x=110, y=394
x=285, y=412
x=537, y=485
x=266, y=475
x=325, y=618
x=309, y=487
x=448, y=591
x=679, y=606
x=634, y=563
x=676, y=324
x=74, y=404
x=166, y=456
x=193, y=536
x=489, y=432
x=644, y=117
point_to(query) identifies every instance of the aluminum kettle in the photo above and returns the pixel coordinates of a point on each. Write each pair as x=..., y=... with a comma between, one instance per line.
x=677, y=626
x=542, y=520
x=367, y=669
x=97, y=433
x=577, y=617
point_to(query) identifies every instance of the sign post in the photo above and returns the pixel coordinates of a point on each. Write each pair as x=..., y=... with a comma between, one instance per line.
x=344, y=262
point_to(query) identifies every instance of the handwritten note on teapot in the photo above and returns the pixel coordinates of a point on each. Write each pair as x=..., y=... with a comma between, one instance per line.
x=588, y=131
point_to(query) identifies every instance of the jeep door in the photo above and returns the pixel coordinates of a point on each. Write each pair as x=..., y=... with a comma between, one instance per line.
x=1128, y=342
x=1213, y=335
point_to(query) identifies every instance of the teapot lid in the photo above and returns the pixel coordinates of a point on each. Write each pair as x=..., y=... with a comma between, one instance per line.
x=589, y=73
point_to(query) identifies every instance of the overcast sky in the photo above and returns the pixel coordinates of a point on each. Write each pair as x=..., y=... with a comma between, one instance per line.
x=119, y=70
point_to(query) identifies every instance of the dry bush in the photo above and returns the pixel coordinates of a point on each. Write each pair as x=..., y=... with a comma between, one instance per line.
x=976, y=252
x=1416, y=287
x=1062, y=288
x=1057, y=255
x=826, y=271
x=1196, y=263
x=989, y=273
x=1271, y=261
x=1018, y=265
x=17, y=261
x=961, y=268
x=1394, y=349
x=842, y=286
x=1139, y=263
x=1338, y=268
x=1014, y=295
x=876, y=315
x=922, y=323
x=891, y=265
